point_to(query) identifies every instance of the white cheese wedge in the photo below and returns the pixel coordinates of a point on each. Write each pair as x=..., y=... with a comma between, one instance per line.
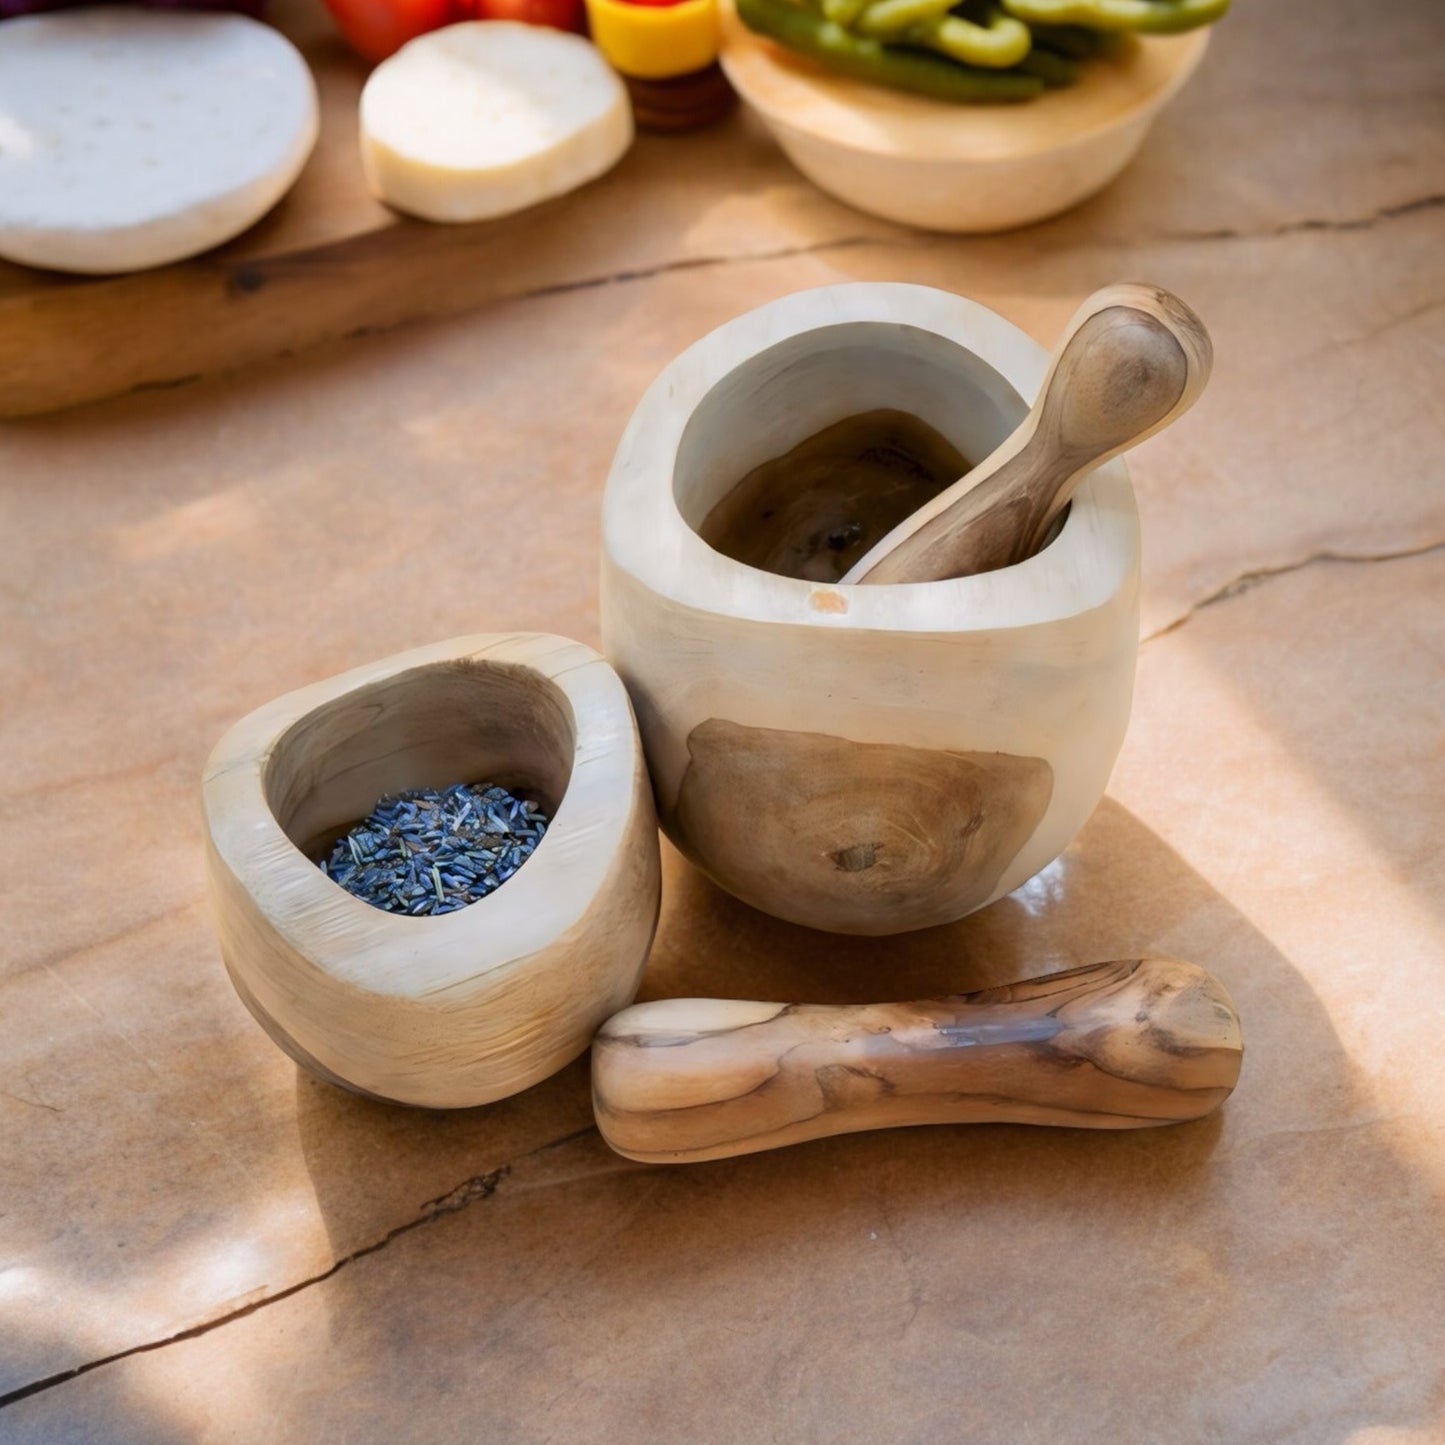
x=130, y=138
x=487, y=117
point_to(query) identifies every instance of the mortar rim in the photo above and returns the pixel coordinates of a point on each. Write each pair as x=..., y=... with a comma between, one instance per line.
x=646, y=535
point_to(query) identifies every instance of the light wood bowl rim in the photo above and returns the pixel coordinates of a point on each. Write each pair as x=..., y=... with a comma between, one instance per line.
x=856, y=117
x=1093, y=560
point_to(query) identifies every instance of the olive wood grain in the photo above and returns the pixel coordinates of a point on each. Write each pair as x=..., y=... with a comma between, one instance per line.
x=860, y=830
x=1114, y=1045
x=1132, y=360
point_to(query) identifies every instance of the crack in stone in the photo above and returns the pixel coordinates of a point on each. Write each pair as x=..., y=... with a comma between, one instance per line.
x=31, y=1103
x=901, y=237
x=905, y=236
x=695, y=263
x=1311, y=223
x=479, y=1186
x=1370, y=333
x=1247, y=581
x=1403, y=319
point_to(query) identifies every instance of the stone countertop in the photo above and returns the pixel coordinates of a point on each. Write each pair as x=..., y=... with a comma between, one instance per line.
x=199, y=1242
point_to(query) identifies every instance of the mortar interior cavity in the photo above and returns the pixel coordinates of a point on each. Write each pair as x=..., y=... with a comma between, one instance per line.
x=459, y=722
x=806, y=454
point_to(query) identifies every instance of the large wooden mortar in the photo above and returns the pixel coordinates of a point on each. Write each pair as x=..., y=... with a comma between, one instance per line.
x=864, y=759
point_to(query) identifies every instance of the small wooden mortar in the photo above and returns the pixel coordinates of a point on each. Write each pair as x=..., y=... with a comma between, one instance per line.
x=858, y=758
x=468, y=1007
x=1109, y=1046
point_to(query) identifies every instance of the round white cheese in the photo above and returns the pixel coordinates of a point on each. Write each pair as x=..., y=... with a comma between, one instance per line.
x=488, y=117
x=130, y=138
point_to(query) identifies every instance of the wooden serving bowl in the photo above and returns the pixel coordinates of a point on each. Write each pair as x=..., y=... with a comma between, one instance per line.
x=466, y=1007
x=864, y=759
x=948, y=167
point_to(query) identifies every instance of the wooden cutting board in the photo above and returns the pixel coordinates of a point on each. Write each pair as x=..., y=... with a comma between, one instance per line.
x=329, y=261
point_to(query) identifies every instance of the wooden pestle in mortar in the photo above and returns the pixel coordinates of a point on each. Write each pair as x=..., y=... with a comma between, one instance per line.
x=1108, y=1046
x=1132, y=359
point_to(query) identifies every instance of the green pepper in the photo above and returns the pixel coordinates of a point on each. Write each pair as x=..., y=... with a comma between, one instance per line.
x=885, y=19
x=1149, y=17
x=864, y=59
x=1070, y=40
x=1052, y=69
x=843, y=12
x=1002, y=43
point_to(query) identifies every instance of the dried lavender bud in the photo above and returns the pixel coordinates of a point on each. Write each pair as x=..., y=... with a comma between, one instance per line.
x=435, y=850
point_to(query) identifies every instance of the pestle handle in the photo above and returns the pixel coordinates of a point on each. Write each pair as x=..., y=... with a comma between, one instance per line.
x=1108, y=1046
x=1133, y=359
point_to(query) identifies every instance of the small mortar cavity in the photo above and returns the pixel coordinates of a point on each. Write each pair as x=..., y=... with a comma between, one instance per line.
x=428, y=728
x=807, y=454
x=814, y=511
x=431, y=851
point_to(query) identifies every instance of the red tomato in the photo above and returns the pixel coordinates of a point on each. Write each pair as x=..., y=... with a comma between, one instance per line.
x=559, y=14
x=377, y=28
